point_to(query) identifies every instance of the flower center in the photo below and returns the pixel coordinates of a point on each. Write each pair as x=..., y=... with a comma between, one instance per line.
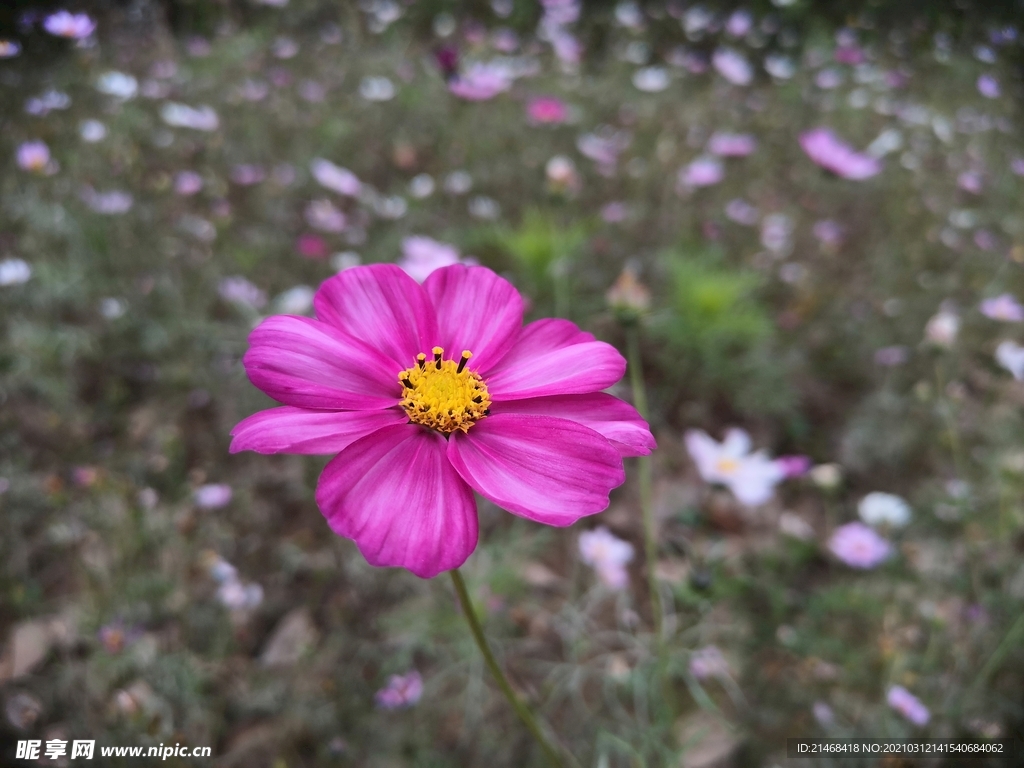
x=727, y=466
x=444, y=394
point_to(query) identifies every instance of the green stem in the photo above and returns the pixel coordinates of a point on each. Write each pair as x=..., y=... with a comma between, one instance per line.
x=1000, y=652
x=636, y=380
x=517, y=704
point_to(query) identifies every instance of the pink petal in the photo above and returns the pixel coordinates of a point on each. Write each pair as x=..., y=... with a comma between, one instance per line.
x=298, y=430
x=303, y=362
x=576, y=369
x=550, y=333
x=476, y=310
x=382, y=306
x=553, y=471
x=617, y=421
x=396, y=495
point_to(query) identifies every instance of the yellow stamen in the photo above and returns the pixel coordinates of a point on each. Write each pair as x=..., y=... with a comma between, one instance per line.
x=444, y=396
x=727, y=466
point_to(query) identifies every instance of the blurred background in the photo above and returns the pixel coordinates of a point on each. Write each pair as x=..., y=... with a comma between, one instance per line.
x=804, y=217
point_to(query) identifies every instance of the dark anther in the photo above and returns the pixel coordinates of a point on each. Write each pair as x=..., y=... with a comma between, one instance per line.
x=408, y=383
x=478, y=399
x=437, y=361
x=462, y=364
x=420, y=360
x=487, y=411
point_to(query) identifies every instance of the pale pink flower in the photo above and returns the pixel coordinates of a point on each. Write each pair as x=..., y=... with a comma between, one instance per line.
x=422, y=255
x=604, y=149
x=9, y=49
x=702, y=172
x=731, y=144
x=943, y=328
x=708, y=662
x=827, y=232
x=794, y=466
x=742, y=212
x=1010, y=355
x=187, y=183
x=334, y=177
x=831, y=153
x=547, y=109
x=34, y=156
x=970, y=181
x=751, y=477
x=608, y=555
x=324, y=216
x=733, y=66
x=246, y=174
x=739, y=23
x=75, y=26
x=481, y=81
x=183, y=116
x=212, y=496
x=859, y=546
x=1004, y=307
x=107, y=203
x=401, y=691
x=238, y=290
x=908, y=705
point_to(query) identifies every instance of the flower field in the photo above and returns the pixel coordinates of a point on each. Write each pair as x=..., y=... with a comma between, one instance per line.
x=689, y=338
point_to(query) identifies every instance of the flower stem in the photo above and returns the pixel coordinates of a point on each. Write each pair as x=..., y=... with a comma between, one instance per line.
x=636, y=380
x=517, y=704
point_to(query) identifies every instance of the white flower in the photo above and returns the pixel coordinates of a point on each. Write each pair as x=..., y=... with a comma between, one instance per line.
x=884, y=509
x=1009, y=354
x=14, y=272
x=117, y=84
x=751, y=477
x=295, y=301
x=184, y=116
x=608, y=555
x=334, y=177
x=942, y=329
x=422, y=255
x=651, y=79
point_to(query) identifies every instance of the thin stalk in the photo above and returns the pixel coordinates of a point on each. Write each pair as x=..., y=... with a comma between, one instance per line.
x=636, y=380
x=1000, y=652
x=517, y=704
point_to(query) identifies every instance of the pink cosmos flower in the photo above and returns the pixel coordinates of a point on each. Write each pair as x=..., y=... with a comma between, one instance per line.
x=831, y=153
x=739, y=23
x=481, y=81
x=322, y=215
x=423, y=255
x=75, y=26
x=311, y=246
x=1004, y=307
x=908, y=705
x=794, y=466
x=859, y=546
x=401, y=691
x=731, y=144
x=238, y=290
x=547, y=109
x=429, y=393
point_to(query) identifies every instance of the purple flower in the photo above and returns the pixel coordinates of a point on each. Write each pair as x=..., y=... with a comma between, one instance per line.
x=988, y=87
x=187, y=183
x=739, y=23
x=322, y=215
x=401, y=691
x=731, y=144
x=9, y=49
x=107, y=203
x=1004, y=307
x=75, y=26
x=246, y=175
x=429, y=393
x=831, y=153
x=908, y=705
x=34, y=156
x=827, y=232
x=794, y=466
x=859, y=546
x=970, y=181
x=1017, y=166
